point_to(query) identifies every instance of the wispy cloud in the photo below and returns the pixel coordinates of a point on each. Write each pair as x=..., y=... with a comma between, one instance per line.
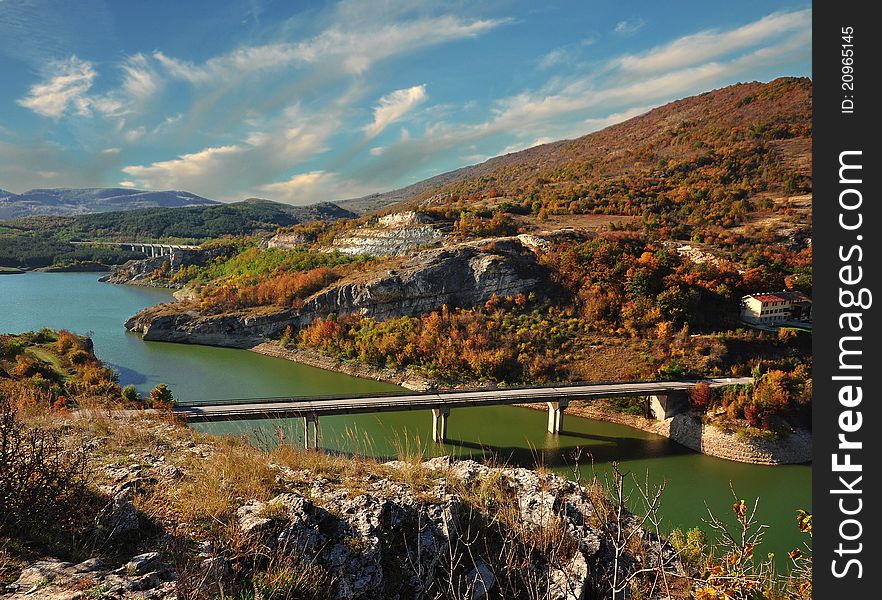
x=629, y=27
x=141, y=82
x=555, y=57
x=65, y=88
x=272, y=147
x=393, y=106
x=309, y=110
x=710, y=44
x=312, y=187
x=351, y=49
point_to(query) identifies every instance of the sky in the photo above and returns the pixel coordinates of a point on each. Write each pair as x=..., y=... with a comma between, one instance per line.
x=303, y=102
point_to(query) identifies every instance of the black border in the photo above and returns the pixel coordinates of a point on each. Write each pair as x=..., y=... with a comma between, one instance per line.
x=835, y=132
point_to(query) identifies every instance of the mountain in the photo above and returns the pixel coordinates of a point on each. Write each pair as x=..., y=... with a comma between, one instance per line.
x=202, y=222
x=735, y=135
x=68, y=201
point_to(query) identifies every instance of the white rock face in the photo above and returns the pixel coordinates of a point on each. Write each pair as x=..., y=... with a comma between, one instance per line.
x=286, y=241
x=391, y=235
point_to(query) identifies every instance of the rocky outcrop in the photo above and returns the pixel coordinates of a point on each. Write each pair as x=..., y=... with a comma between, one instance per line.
x=141, y=272
x=392, y=235
x=440, y=528
x=181, y=322
x=383, y=541
x=285, y=241
x=464, y=275
x=143, y=576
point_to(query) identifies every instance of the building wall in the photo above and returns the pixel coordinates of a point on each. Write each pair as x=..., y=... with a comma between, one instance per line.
x=765, y=313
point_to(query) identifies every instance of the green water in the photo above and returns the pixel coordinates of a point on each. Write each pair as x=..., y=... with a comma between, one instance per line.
x=77, y=301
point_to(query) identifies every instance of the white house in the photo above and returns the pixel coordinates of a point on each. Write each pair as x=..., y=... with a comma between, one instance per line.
x=775, y=307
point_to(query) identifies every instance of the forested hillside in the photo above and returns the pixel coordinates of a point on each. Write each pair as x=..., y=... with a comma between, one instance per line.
x=42, y=241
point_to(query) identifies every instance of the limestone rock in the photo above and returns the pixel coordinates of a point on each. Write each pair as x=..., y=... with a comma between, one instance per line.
x=143, y=563
x=392, y=235
x=250, y=519
x=569, y=582
x=118, y=517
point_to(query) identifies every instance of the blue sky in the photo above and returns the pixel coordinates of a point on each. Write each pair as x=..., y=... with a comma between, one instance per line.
x=308, y=101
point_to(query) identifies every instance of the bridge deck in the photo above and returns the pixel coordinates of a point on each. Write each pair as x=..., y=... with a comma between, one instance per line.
x=276, y=408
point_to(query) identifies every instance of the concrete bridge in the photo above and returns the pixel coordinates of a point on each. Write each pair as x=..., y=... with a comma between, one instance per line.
x=149, y=249
x=664, y=400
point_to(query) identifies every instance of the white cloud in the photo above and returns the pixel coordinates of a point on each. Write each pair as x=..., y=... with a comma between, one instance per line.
x=577, y=105
x=629, y=27
x=393, y=106
x=312, y=187
x=140, y=80
x=135, y=134
x=68, y=83
x=555, y=57
x=711, y=44
x=65, y=88
x=348, y=48
x=225, y=171
x=186, y=171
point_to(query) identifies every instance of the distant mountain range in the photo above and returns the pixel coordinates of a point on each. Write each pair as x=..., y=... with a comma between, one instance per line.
x=70, y=202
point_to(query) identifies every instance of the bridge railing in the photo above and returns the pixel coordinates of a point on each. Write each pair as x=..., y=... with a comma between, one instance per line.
x=432, y=393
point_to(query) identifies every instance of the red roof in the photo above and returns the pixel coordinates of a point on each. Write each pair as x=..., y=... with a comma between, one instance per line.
x=765, y=298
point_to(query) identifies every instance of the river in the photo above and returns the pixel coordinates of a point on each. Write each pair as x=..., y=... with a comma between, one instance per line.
x=77, y=301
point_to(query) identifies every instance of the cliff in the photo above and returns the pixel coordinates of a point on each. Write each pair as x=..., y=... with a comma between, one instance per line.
x=463, y=275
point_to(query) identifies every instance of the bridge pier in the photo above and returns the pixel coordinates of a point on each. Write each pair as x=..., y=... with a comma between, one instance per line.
x=665, y=406
x=556, y=415
x=310, y=422
x=439, y=424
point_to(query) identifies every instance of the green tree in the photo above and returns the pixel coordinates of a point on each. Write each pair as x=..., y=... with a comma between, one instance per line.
x=161, y=396
x=130, y=394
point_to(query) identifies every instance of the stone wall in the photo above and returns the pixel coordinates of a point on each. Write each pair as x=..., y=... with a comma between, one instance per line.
x=688, y=430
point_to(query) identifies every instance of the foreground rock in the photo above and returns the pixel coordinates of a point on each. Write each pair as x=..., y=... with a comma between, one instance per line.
x=352, y=531
x=144, y=577
x=464, y=275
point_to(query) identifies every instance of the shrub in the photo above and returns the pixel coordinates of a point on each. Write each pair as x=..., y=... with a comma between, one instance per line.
x=161, y=396
x=11, y=346
x=130, y=394
x=701, y=396
x=80, y=357
x=42, y=482
x=66, y=341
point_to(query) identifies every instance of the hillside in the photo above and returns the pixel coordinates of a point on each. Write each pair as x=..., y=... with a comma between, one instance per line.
x=750, y=137
x=42, y=241
x=67, y=202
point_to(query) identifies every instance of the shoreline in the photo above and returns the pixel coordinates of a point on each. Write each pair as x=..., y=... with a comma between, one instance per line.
x=405, y=379
x=685, y=429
